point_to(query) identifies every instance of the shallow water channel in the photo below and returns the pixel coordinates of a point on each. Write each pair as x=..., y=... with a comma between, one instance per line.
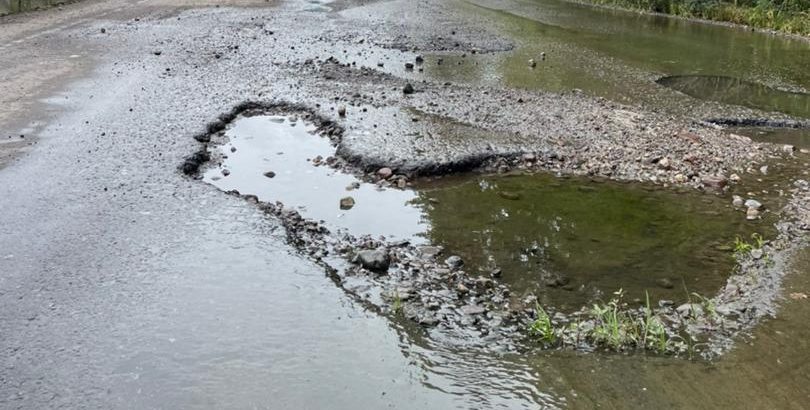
x=570, y=241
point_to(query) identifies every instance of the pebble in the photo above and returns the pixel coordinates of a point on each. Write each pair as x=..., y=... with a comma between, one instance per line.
x=342, y=111
x=737, y=201
x=454, y=262
x=753, y=203
x=532, y=63
x=374, y=260
x=385, y=173
x=408, y=89
x=270, y=174
x=347, y=203
x=751, y=214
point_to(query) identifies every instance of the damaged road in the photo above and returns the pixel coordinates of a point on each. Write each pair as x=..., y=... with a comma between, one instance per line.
x=128, y=285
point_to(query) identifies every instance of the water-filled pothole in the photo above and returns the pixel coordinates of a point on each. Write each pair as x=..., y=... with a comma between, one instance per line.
x=570, y=241
x=735, y=91
x=274, y=158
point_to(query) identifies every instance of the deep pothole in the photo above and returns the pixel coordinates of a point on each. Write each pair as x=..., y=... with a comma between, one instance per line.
x=569, y=241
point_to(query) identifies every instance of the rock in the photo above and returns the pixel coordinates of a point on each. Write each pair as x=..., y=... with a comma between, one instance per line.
x=687, y=309
x=430, y=251
x=409, y=66
x=763, y=169
x=513, y=196
x=753, y=203
x=717, y=182
x=529, y=157
x=419, y=59
x=737, y=201
x=385, y=173
x=664, y=163
x=751, y=214
x=681, y=178
x=353, y=186
x=270, y=174
x=734, y=178
x=532, y=63
x=454, y=262
x=374, y=260
x=226, y=172
x=461, y=289
x=757, y=253
x=543, y=56
x=347, y=203
x=342, y=111
x=496, y=273
x=408, y=89
x=473, y=309
x=665, y=283
x=788, y=149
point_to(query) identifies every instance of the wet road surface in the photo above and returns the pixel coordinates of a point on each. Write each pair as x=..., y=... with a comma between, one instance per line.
x=126, y=285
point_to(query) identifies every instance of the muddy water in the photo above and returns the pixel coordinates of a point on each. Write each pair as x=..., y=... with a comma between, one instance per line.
x=287, y=148
x=572, y=241
x=620, y=56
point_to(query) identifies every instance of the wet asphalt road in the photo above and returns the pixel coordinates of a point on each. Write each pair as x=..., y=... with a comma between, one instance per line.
x=124, y=284
x=127, y=285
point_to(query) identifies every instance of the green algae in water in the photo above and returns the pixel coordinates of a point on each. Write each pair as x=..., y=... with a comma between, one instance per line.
x=572, y=241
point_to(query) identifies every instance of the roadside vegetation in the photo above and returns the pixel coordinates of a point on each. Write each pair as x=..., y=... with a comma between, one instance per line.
x=788, y=16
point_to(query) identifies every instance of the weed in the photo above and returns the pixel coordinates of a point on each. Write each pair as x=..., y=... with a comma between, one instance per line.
x=542, y=327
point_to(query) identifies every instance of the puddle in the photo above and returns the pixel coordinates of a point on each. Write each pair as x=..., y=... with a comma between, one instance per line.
x=277, y=144
x=729, y=90
x=799, y=137
x=572, y=241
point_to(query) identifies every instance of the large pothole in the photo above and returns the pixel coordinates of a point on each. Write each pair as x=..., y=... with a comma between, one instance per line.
x=735, y=91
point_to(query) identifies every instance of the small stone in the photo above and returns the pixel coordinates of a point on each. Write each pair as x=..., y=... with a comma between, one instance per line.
x=757, y=253
x=751, y=214
x=763, y=170
x=419, y=59
x=385, y=173
x=226, y=172
x=347, y=203
x=473, y=309
x=496, y=273
x=788, y=149
x=734, y=178
x=409, y=66
x=461, y=289
x=665, y=283
x=692, y=309
x=408, y=89
x=512, y=196
x=715, y=182
x=681, y=178
x=664, y=163
x=529, y=157
x=454, y=262
x=103, y=30
x=270, y=174
x=342, y=111
x=532, y=63
x=543, y=56
x=737, y=201
x=374, y=260
x=353, y=186
x=753, y=203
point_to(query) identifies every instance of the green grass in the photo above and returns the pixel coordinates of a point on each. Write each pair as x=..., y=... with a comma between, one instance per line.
x=788, y=16
x=541, y=327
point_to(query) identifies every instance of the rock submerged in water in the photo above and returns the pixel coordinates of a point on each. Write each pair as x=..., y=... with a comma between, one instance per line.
x=374, y=260
x=454, y=262
x=408, y=89
x=347, y=203
x=715, y=182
